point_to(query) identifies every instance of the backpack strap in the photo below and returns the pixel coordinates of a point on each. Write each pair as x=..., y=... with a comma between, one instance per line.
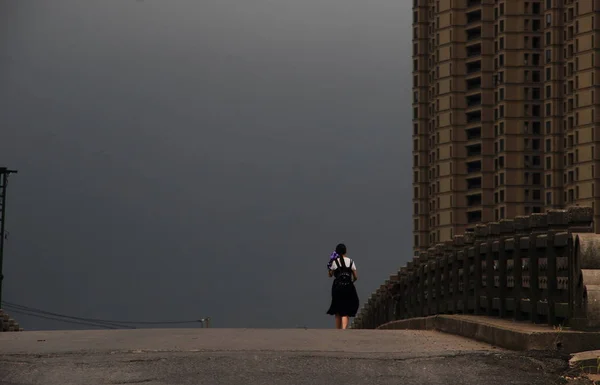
x=337, y=263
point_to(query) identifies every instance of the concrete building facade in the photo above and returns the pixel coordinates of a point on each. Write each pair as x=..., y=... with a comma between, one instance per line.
x=504, y=111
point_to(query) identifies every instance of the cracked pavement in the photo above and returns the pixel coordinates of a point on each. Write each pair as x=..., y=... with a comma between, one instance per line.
x=264, y=356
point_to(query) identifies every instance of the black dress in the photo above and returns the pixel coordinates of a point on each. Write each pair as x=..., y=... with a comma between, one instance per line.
x=344, y=298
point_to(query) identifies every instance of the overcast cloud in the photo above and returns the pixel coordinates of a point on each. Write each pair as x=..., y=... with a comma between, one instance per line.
x=180, y=159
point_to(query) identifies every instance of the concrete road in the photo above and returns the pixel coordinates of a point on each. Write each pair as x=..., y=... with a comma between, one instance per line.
x=264, y=356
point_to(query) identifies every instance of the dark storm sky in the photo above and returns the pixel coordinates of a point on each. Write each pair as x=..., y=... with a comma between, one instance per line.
x=180, y=159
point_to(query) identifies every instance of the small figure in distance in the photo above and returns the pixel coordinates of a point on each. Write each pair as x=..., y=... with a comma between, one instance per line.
x=344, y=298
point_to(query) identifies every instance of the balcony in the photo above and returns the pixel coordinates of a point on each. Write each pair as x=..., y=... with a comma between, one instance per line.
x=474, y=84
x=474, y=183
x=474, y=100
x=473, y=3
x=473, y=133
x=473, y=67
x=474, y=33
x=474, y=200
x=474, y=117
x=474, y=16
x=474, y=216
x=474, y=167
x=473, y=149
x=474, y=50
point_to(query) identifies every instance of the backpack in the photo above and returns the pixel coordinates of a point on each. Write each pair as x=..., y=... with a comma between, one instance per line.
x=343, y=273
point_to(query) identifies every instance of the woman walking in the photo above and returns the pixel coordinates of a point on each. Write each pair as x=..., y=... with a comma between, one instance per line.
x=344, y=298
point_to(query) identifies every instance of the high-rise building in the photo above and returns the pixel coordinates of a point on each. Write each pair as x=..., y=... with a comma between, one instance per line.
x=504, y=111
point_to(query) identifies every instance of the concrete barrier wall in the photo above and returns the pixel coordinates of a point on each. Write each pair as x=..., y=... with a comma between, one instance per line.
x=7, y=324
x=544, y=268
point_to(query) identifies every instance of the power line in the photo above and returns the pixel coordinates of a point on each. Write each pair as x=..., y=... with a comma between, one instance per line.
x=61, y=320
x=35, y=310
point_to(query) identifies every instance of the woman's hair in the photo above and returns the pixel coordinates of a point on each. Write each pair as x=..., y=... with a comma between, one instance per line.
x=340, y=249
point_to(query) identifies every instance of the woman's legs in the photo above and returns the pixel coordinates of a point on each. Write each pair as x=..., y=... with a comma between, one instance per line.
x=345, y=320
x=338, y=321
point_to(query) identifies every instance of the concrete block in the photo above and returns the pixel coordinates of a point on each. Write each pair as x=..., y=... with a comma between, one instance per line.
x=509, y=244
x=589, y=250
x=483, y=248
x=494, y=228
x=541, y=241
x=521, y=223
x=561, y=239
x=524, y=243
x=496, y=246
x=459, y=240
x=580, y=214
x=507, y=226
x=469, y=237
x=538, y=221
x=481, y=231
x=558, y=218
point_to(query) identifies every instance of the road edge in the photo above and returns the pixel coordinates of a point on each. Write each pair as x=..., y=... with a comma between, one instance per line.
x=507, y=337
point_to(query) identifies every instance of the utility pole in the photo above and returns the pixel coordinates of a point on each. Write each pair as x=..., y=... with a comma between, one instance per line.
x=4, y=173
